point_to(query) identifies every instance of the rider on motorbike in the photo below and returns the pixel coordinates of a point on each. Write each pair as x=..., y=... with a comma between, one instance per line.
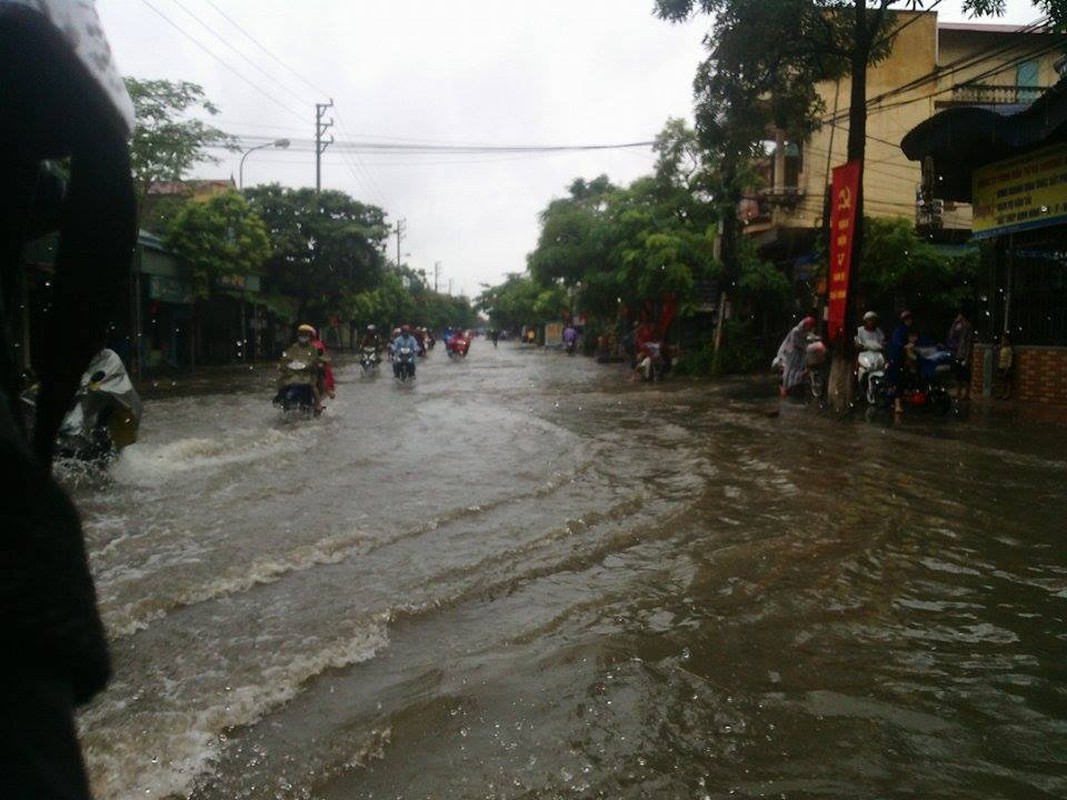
x=868, y=335
x=370, y=339
x=404, y=339
x=303, y=352
x=870, y=342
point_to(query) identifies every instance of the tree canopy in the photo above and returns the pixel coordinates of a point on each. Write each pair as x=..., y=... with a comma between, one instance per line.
x=167, y=143
x=220, y=238
x=324, y=245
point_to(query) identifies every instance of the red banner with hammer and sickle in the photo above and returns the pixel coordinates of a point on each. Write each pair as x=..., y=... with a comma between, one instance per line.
x=844, y=188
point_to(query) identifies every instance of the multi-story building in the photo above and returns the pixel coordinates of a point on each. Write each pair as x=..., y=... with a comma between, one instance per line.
x=933, y=65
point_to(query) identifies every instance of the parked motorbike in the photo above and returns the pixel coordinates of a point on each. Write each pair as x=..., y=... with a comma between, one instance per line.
x=817, y=365
x=105, y=415
x=295, y=394
x=369, y=359
x=870, y=376
x=924, y=389
x=650, y=362
x=404, y=364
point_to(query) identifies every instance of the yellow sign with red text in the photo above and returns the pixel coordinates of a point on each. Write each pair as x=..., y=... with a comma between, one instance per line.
x=1020, y=193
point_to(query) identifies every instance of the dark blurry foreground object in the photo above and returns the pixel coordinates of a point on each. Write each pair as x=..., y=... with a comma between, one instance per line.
x=60, y=98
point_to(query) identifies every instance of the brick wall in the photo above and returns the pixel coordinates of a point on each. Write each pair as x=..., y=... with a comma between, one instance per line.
x=1039, y=374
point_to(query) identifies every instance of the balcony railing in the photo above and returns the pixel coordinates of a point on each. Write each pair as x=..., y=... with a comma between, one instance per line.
x=985, y=94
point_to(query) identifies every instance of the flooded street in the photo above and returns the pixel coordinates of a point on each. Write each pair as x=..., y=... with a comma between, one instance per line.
x=524, y=577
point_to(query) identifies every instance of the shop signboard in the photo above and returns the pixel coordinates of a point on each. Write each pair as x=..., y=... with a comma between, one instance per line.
x=1020, y=193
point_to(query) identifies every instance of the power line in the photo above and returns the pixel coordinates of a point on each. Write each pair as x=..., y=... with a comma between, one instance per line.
x=228, y=44
x=211, y=53
x=267, y=50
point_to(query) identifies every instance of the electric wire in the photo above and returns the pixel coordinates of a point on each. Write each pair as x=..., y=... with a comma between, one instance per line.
x=229, y=45
x=267, y=50
x=218, y=58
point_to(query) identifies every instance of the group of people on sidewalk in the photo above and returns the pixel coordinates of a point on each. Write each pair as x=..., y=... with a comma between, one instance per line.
x=902, y=353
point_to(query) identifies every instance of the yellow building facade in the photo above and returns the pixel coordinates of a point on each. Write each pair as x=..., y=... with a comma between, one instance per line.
x=932, y=66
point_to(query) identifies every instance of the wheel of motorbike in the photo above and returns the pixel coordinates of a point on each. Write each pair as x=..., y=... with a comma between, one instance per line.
x=877, y=392
x=817, y=385
x=940, y=401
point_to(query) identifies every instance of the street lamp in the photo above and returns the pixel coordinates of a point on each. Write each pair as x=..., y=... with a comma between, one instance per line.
x=282, y=143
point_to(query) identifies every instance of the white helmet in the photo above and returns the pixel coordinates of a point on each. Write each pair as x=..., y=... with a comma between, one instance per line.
x=869, y=316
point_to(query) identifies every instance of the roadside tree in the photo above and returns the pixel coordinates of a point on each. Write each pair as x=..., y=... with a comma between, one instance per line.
x=167, y=143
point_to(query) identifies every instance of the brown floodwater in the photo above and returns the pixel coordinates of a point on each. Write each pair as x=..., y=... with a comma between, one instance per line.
x=524, y=577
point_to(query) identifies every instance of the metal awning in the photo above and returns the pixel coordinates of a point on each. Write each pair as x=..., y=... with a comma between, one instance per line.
x=960, y=139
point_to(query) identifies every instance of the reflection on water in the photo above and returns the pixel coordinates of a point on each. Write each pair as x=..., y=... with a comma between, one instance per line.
x=524, y=577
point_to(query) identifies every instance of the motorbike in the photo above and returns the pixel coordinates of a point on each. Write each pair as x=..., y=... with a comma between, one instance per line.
x=458, y=345
x=404, y=364
x=817, y=366
x=870, y=375
x=923, y=389
x=295, y=393
x=650, y=362
x=568, y=347
x=369, y=359
x=105, y=414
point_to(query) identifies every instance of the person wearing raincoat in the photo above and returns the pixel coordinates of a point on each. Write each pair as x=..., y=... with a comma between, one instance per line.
x=791, y=355
x=303, y=351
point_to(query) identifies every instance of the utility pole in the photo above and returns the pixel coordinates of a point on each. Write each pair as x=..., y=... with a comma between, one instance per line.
x=401, y=224
x=436, y=272
x=320, y=143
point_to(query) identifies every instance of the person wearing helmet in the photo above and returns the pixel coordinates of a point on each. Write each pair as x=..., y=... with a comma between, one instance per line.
x=868, y=335
x=303, y=351
x=404, y=339
x=370, y=339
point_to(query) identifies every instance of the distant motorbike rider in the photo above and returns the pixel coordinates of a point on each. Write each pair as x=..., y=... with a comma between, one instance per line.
x=371, y=339
x=404, y=339
x=303, y=351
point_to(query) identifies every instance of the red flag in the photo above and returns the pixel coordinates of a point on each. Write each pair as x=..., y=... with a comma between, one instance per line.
x=844, y=188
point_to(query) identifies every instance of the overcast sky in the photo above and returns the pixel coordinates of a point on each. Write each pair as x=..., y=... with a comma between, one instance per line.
x=440, y=72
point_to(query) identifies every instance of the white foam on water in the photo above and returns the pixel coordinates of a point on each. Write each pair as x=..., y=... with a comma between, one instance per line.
x=164, y=752
x=145, y=464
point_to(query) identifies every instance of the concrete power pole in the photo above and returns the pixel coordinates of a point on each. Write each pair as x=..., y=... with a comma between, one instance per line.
x=401, y=224
x=320, y=143
x=436, y=272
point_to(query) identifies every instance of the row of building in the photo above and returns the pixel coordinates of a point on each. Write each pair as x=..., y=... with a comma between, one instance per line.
x=967, y=136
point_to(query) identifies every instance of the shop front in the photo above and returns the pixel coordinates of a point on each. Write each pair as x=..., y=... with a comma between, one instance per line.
x=1012, y=169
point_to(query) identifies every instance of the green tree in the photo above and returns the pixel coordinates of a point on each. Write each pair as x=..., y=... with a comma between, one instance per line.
x=218, y=238
x=167, y=143
x=764, y=61
x=326, y=246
